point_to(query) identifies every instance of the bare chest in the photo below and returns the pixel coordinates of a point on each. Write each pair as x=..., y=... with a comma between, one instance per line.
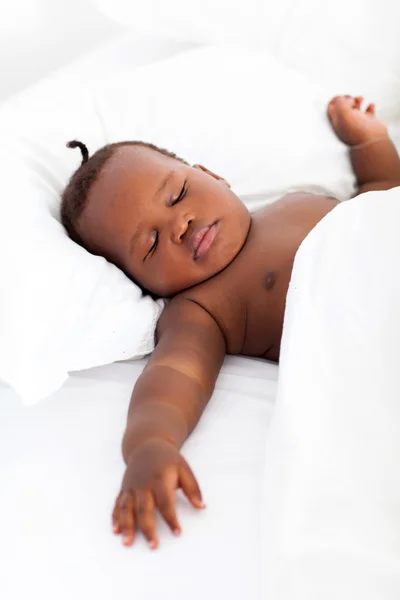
x=248, y=298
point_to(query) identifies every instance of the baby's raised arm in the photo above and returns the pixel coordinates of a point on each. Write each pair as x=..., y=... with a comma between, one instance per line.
x=374, y=158
x=167, y=402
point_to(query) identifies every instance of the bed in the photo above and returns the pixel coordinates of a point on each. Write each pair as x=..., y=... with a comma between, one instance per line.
x=61, y=465
x=61, y=468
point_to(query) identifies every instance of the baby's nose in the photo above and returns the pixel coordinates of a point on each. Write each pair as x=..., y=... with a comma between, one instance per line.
x=179, y=228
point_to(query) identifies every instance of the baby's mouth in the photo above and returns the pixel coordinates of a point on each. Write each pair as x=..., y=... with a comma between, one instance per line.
x=201, y=240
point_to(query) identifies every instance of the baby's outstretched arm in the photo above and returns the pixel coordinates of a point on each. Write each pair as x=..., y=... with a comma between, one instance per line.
x=375, y=160
x=167, y=402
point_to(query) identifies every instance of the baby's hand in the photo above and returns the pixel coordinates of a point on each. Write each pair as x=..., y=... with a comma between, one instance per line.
x=352, y=125
x=154, y=472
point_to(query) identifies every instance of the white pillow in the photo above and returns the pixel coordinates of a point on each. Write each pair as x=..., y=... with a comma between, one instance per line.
x=332, y=478
x=238, y=111
x=61, y=309
x=350, y=45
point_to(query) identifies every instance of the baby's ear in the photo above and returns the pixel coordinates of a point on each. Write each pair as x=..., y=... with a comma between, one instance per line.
x=202, y=168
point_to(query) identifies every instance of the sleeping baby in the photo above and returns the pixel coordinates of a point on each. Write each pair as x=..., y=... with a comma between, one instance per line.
x=181, y=233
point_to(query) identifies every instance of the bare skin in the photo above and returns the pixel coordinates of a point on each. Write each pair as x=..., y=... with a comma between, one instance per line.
x=228, y=274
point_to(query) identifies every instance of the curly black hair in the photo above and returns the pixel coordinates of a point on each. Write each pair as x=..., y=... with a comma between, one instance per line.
x=74, y=197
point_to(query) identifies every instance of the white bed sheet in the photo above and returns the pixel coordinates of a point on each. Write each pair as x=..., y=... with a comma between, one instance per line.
x=61, y=466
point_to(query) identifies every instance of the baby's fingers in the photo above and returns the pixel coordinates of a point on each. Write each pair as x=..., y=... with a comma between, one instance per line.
x=124, y=514
x=165, y=498
x=189, y=485
x=331, y=109
x=358, y=100
x=145, y=516
x=115, y=517
x=370, y=110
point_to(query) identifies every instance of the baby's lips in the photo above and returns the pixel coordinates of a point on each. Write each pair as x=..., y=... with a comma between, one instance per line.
x=196, y=238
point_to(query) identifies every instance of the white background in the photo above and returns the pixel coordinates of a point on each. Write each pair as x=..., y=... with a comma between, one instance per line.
x=39, y=36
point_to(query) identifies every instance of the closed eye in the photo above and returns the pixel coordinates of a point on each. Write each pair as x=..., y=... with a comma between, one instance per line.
x=181, y=195
x=154, y=245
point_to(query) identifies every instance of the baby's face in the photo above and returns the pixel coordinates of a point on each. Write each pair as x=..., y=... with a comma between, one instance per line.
x=168, y=225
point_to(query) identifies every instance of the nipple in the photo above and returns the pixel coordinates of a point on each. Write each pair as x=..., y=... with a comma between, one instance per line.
x=269, y=280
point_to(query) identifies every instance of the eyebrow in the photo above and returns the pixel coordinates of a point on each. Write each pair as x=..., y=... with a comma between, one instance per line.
x=133, y=241
x=165, y=182
x=162, y=186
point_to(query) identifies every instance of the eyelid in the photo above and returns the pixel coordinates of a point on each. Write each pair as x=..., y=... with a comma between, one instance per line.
x=181, y=195
x=153, y=247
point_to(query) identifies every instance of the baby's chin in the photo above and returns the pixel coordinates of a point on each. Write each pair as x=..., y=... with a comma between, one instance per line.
x=170, y=292
x=203, y=272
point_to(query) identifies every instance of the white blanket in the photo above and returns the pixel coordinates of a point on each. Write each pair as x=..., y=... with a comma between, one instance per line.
x=332, y=480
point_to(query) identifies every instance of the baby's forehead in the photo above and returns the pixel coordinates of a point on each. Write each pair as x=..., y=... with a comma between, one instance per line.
x=131, y=175
x=130, y=168
x=125, y=182
x=136, y=160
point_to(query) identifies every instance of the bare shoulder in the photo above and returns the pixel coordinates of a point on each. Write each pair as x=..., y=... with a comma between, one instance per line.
x=300, y=202
x=187, y=321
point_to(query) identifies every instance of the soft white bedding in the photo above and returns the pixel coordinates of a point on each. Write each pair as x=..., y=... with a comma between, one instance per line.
x=60, y=466
x=331, y=518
